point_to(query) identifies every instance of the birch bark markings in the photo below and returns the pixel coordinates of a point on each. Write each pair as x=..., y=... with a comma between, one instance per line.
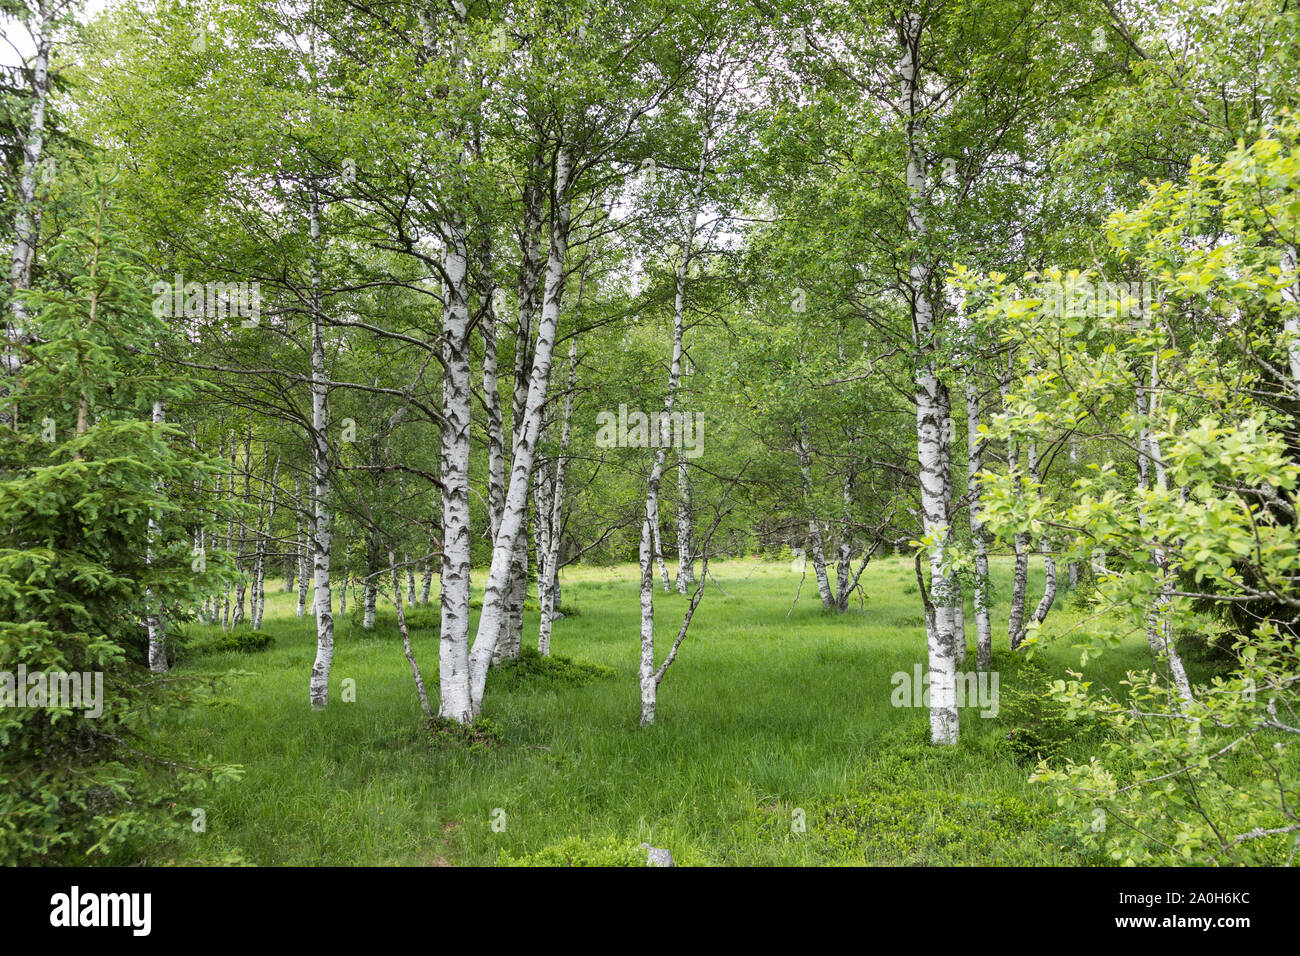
x=1292, y=321
x=25, y=217
x=979, y=537
x=931, y=413
x=1045, y=545
x=492, y=401
x=453, y=653
x=547, y=570
x=259, y=571
x=815, y=544
x=303, y=542
x=529, y=292
x=154, y=622
x=509, y=535
x=321, y=532
x=1020, y=581
x=1160, y=624
x=685, y=528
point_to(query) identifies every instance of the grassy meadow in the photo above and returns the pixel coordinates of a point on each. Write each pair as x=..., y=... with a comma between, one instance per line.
x=777, y=741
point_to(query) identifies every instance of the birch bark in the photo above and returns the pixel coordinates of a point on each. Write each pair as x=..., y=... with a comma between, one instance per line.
x=509, y=535
x=815, y=545
x=25, y=214
x=932, y=412
x=154, y=622
x=532, y=267
x=1020, y=580
x=321, y=526
x=547, y=595
x=453, y=654
x=1160, y=622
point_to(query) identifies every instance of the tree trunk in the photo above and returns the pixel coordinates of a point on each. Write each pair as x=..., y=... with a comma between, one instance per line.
x=426, y=585
x=226, y=608
x=453, y=654
x=1292, y=321
x=1049, y=562
x=492, y=400
x=979, y=537
x=844, y=549
x=321, y=532
x=685, y=529
x=532, y=266
x=26, y=217
x=932, y=414
x=646, y=670
x=302, y=549
x=154, y=621
x=1020, y=582
x=814, y=527
x=241, y=581
x=259, y=580
x=406, y=640
x=1160, y=623
x=509, y=535
x=548, y=594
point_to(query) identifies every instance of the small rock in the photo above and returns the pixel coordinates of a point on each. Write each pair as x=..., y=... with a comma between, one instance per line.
x=657, y=856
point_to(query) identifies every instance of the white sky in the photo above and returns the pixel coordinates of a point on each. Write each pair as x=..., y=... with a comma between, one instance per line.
x=16, y=43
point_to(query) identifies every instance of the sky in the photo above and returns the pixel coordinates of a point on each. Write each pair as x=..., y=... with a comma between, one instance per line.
x=16, y=43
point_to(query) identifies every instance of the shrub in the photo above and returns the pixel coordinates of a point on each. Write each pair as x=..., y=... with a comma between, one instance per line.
x=477, y=736
x=531, y=665
x=244, y=642
x=1039, y=726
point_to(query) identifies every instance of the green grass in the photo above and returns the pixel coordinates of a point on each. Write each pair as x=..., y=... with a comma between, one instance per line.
x=765, y=719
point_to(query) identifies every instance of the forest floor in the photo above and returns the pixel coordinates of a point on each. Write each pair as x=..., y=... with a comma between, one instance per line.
x=777, y=740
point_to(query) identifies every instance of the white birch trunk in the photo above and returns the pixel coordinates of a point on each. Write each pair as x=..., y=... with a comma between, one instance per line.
x=815, y=546
x=241, y=579
x=25, y=213
x=154, y=618
x=426, y=585
x=509, y=535
x=979, y=537
x=646, y=669
x=844, y=549
x=658, y=544
x=369, y=601
x=685, y=528
x=932, y=417
x=302, y=550
x=532, y=266
x=259, y=578
x=1160, y=629
x=1292, y=320
x=321, y=529
x=227, y=609
x=492, y=407
x=1073, y=570
x=406, y=641
x=453, y=654
x=1045, y=545
x=1020, y=581
x=548, y=593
